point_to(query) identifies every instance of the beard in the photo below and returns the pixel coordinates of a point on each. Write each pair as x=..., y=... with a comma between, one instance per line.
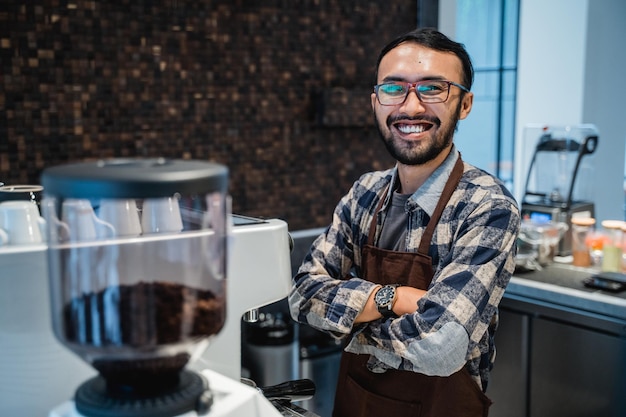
x=419, y=153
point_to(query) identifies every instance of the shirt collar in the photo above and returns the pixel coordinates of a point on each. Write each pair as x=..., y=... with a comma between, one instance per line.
x=427, y=196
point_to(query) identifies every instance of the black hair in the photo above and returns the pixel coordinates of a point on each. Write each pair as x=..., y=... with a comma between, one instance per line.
x=433, y=39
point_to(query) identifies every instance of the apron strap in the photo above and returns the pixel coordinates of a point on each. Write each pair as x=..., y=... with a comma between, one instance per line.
x=453, y=182
x=374, y=222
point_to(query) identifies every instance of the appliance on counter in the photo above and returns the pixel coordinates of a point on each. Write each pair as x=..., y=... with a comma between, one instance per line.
x=138, y=300
x=552, y=192
x=36, y=371
x=320, y=357
x=277, y=348
x=269, y=346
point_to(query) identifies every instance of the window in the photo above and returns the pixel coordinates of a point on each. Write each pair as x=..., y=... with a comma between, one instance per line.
x=488, y=29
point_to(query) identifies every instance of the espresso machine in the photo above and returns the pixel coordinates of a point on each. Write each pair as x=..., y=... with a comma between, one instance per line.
x=552, y=193
x=149, y=275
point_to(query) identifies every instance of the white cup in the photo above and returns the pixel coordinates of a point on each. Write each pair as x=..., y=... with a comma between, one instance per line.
x=122, y=215
x=161, y=215
x=20, y=192
x=82, y=222
x=21, y=223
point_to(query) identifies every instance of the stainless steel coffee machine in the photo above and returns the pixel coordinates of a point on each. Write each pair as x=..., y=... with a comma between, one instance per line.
x=559, y=184
x=137, y=253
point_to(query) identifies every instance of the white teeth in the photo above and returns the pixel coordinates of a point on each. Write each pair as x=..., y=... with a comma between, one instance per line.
x=411, y=128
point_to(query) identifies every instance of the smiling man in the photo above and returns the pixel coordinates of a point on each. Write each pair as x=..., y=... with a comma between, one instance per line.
x=415, y=262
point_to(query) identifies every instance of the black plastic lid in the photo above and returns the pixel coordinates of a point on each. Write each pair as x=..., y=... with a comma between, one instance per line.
x=134, y=178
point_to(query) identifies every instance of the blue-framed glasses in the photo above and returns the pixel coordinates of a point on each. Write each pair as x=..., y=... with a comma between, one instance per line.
x=428, y=91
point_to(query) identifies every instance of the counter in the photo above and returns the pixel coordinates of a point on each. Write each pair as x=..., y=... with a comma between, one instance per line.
x=563, y=285
x=561, y=347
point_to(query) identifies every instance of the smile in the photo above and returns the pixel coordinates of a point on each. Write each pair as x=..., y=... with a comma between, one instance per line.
x=412, y=128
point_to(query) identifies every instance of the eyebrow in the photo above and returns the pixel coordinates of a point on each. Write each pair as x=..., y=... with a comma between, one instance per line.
x=392, y=78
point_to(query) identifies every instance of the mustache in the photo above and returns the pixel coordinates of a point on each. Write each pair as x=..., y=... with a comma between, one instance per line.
x=425, y=118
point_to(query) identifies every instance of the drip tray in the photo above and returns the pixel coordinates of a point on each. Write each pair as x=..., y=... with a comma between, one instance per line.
x=287, y=408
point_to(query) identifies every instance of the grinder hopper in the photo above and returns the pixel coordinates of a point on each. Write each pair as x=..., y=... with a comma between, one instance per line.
x=137, y=267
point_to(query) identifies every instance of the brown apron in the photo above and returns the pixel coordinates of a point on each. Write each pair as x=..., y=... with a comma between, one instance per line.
x=399, y=393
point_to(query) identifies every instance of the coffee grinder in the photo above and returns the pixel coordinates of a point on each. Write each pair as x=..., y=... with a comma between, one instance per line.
x=137, y=269
x=552, y=192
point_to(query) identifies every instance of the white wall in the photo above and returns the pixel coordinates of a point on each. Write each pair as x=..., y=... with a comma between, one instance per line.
x=571, y=71
x=605, y=100
x=551, y=62
x=550, y=77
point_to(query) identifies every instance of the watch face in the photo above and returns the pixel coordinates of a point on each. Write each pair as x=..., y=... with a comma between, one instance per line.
x=384, y=295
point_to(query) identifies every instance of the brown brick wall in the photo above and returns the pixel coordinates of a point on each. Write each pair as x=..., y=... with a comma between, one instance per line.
x=276, y=90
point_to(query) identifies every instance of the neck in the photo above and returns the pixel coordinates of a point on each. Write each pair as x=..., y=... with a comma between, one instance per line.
x=412, y=177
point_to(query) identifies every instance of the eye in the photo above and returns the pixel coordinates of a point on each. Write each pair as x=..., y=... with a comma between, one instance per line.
x=392, y=89
x=431, y=88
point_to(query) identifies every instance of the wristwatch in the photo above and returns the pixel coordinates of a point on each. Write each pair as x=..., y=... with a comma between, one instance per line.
x=384, y=298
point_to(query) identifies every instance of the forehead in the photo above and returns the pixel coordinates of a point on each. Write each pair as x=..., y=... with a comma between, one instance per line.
x=412, y=62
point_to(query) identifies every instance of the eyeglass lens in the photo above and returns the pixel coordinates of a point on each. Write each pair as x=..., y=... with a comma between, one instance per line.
x=427, y=91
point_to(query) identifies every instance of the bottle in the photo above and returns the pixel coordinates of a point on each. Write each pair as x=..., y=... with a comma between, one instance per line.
x=582, y=229
x=612, y=250
x=624, y=247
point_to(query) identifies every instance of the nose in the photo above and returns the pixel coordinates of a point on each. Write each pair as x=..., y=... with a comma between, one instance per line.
x=412, y=103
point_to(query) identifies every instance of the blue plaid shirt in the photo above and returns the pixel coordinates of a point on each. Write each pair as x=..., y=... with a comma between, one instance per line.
x=472, y=250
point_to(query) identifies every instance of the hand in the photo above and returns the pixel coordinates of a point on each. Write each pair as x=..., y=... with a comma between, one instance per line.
x=406, y=300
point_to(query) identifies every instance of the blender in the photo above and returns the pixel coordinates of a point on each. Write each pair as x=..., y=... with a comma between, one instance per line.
x=137, y=274
x=552, y=192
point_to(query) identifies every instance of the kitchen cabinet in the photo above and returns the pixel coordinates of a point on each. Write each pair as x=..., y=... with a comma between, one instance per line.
x=509, y=377
x=576, y=371
x=561, y=349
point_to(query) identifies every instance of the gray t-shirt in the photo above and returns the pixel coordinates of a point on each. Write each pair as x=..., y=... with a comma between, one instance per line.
x=393, y=234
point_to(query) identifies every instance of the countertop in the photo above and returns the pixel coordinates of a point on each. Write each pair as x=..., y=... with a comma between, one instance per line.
x=562, y=284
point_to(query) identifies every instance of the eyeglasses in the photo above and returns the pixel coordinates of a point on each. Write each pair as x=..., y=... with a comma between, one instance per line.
x=428, y=91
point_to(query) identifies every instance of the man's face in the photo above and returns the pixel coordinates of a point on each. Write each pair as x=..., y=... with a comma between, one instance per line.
x=415, y=132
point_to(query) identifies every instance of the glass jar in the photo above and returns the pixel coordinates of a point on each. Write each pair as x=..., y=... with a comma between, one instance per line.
x=612, y=249
x=624, y=247
x=582, y=229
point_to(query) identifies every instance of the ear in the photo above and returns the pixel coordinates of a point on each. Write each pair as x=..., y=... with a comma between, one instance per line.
x=373, y=100
x=466, y=105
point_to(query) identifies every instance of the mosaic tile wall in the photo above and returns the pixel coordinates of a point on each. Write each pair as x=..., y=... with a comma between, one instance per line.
x=277, y=90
